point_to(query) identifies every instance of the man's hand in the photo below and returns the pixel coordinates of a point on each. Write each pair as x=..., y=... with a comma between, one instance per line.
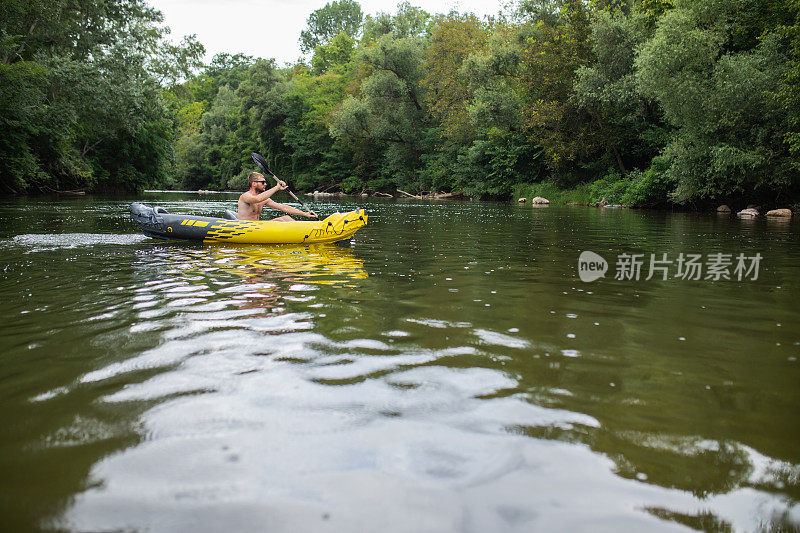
x=311, y=214
x=282, y=185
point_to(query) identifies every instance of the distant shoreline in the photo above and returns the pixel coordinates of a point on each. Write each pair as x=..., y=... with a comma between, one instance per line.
x=192, y=192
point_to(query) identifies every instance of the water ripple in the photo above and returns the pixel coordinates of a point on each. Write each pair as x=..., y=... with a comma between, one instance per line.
x=50, y=241
x=447, y=373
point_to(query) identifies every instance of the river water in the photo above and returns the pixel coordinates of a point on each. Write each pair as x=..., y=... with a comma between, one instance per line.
x=449, y=371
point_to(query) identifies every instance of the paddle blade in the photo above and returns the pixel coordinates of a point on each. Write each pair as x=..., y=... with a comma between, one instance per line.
x=261, y=162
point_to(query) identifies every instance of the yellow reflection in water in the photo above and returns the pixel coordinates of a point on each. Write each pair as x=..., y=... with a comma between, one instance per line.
x=321, y=263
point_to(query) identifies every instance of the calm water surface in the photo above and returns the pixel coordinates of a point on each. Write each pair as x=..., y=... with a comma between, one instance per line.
x=448, y=372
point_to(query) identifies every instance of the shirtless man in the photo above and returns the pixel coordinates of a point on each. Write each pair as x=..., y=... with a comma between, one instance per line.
x=253, y=201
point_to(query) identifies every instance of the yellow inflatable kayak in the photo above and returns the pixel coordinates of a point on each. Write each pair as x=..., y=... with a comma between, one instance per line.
x=157, y=222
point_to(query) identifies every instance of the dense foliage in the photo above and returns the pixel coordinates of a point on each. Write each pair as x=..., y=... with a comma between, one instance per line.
x=81, y=87
x=645, y=102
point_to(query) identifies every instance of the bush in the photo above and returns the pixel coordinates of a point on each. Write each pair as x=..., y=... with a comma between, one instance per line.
x=649, y=188
x=547, y=189
x=304, y=182
x=380, y=184
x=636, y=189
x=613, y=187
x=352, y=184
x=491, y=167
x=238, y=182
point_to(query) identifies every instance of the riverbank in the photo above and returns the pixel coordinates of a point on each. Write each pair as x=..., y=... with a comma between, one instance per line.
x=642, y=195
x=608, y=191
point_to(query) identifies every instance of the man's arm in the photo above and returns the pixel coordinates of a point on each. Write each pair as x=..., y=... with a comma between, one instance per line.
x=264, y=196
x=272, y=204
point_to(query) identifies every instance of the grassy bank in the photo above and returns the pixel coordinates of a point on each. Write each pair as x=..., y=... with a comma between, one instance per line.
x=635, y=189
x=643, y=190
x=557, y=196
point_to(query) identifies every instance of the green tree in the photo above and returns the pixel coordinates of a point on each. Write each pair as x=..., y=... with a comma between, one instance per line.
x=717, y=72
x=224, y=69
x=84, y=108
x=388, y=110
x=496, y=162
x=409, y=21
x=495, y=76
x=339, y=16
x=624, y=124
x=447, y=89
x=79, y=31
x=317, y=160
x=790, y=91
x=557, y=44
x=337, y=54
x=22, y=95
x=173, y=63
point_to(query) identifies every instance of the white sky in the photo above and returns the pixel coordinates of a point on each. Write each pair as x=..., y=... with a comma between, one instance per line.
x=271, y=28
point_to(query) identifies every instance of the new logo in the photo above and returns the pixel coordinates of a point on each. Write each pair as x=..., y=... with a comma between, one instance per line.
x=591, y=266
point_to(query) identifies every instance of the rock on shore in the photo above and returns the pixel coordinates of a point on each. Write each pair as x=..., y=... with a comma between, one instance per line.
x=747, y=213
x=783, y=213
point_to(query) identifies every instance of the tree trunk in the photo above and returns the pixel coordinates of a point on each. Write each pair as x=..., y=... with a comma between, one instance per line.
x=619, y=160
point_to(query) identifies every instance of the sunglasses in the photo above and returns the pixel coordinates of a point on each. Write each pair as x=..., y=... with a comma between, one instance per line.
x=262, y=181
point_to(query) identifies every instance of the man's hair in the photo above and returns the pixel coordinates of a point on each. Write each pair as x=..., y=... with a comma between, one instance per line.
x=254, y=176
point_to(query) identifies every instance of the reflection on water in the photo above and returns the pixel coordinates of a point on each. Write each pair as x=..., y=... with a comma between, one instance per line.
x=319, y=263
x=450, y=372
x=265, y=276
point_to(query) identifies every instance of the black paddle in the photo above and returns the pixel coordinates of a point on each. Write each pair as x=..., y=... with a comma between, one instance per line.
x=261, y=162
